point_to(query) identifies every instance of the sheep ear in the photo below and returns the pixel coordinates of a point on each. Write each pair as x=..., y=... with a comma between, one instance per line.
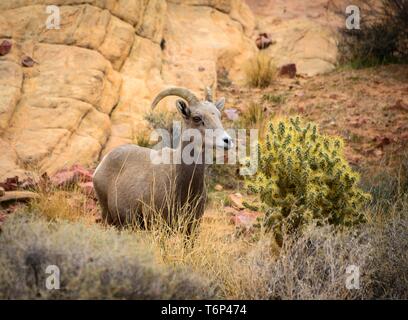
x=182, y=107
x=220, y=104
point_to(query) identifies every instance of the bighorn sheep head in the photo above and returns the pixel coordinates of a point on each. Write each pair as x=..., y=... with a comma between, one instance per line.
x=204, y=116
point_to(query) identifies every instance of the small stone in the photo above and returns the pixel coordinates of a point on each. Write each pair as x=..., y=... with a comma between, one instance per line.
x=236, y=200
x=10, y=184
x=378, y=152
x=5, y=47
x=288, y=70
x=70, y=176
x=245, y=219
x=218, y=187
x=27, y=62
x=263, y=41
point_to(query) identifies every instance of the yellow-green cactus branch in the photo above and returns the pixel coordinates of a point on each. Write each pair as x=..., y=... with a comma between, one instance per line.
x=304, y=177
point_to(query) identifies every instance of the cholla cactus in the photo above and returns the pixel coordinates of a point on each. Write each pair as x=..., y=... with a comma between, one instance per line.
x=303, y=177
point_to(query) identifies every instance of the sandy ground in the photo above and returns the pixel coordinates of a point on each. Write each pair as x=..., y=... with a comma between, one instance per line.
x=368, y=108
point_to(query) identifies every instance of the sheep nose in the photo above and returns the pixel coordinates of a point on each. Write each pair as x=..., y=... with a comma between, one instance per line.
x=227, y=143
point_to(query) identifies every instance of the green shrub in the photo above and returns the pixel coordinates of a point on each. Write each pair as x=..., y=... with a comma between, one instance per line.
x=303, y=177
x=94, y=262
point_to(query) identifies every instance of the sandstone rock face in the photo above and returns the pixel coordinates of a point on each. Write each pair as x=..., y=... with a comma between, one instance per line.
x=93, y=79
x=311, y=46
x=303, y=32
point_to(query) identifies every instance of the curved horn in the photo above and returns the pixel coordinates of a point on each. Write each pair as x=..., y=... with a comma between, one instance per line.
x=179, y=92
x=208, y=94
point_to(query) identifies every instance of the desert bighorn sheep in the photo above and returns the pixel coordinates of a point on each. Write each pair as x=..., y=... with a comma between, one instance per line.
x=127, y=179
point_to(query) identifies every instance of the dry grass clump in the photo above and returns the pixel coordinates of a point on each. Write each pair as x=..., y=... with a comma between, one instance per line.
x=388, y=187
x=313, y=266
x=60, y=204
x=161, y=120
x=260, y=71
x=155, y=120
x=218, y=254
x=390, y=262
x=158, y=263
x=142, y=139
x=274, y=99
x=94, y=262
x=215, y=262
x=254, y=117
x=308, y=266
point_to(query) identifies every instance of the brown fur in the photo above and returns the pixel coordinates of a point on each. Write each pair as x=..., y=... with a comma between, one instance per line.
x=127, y=182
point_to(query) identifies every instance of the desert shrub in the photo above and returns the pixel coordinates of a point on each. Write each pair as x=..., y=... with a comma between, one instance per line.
x=94, y=262
x=388, y=187
x=105, y=263
x=260, y=71
x=382, y=37
x=313, y=265
x=390, y=259
x=303, y=177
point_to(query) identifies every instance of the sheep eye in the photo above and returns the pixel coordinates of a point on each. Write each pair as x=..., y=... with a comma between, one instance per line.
x=197, y=119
